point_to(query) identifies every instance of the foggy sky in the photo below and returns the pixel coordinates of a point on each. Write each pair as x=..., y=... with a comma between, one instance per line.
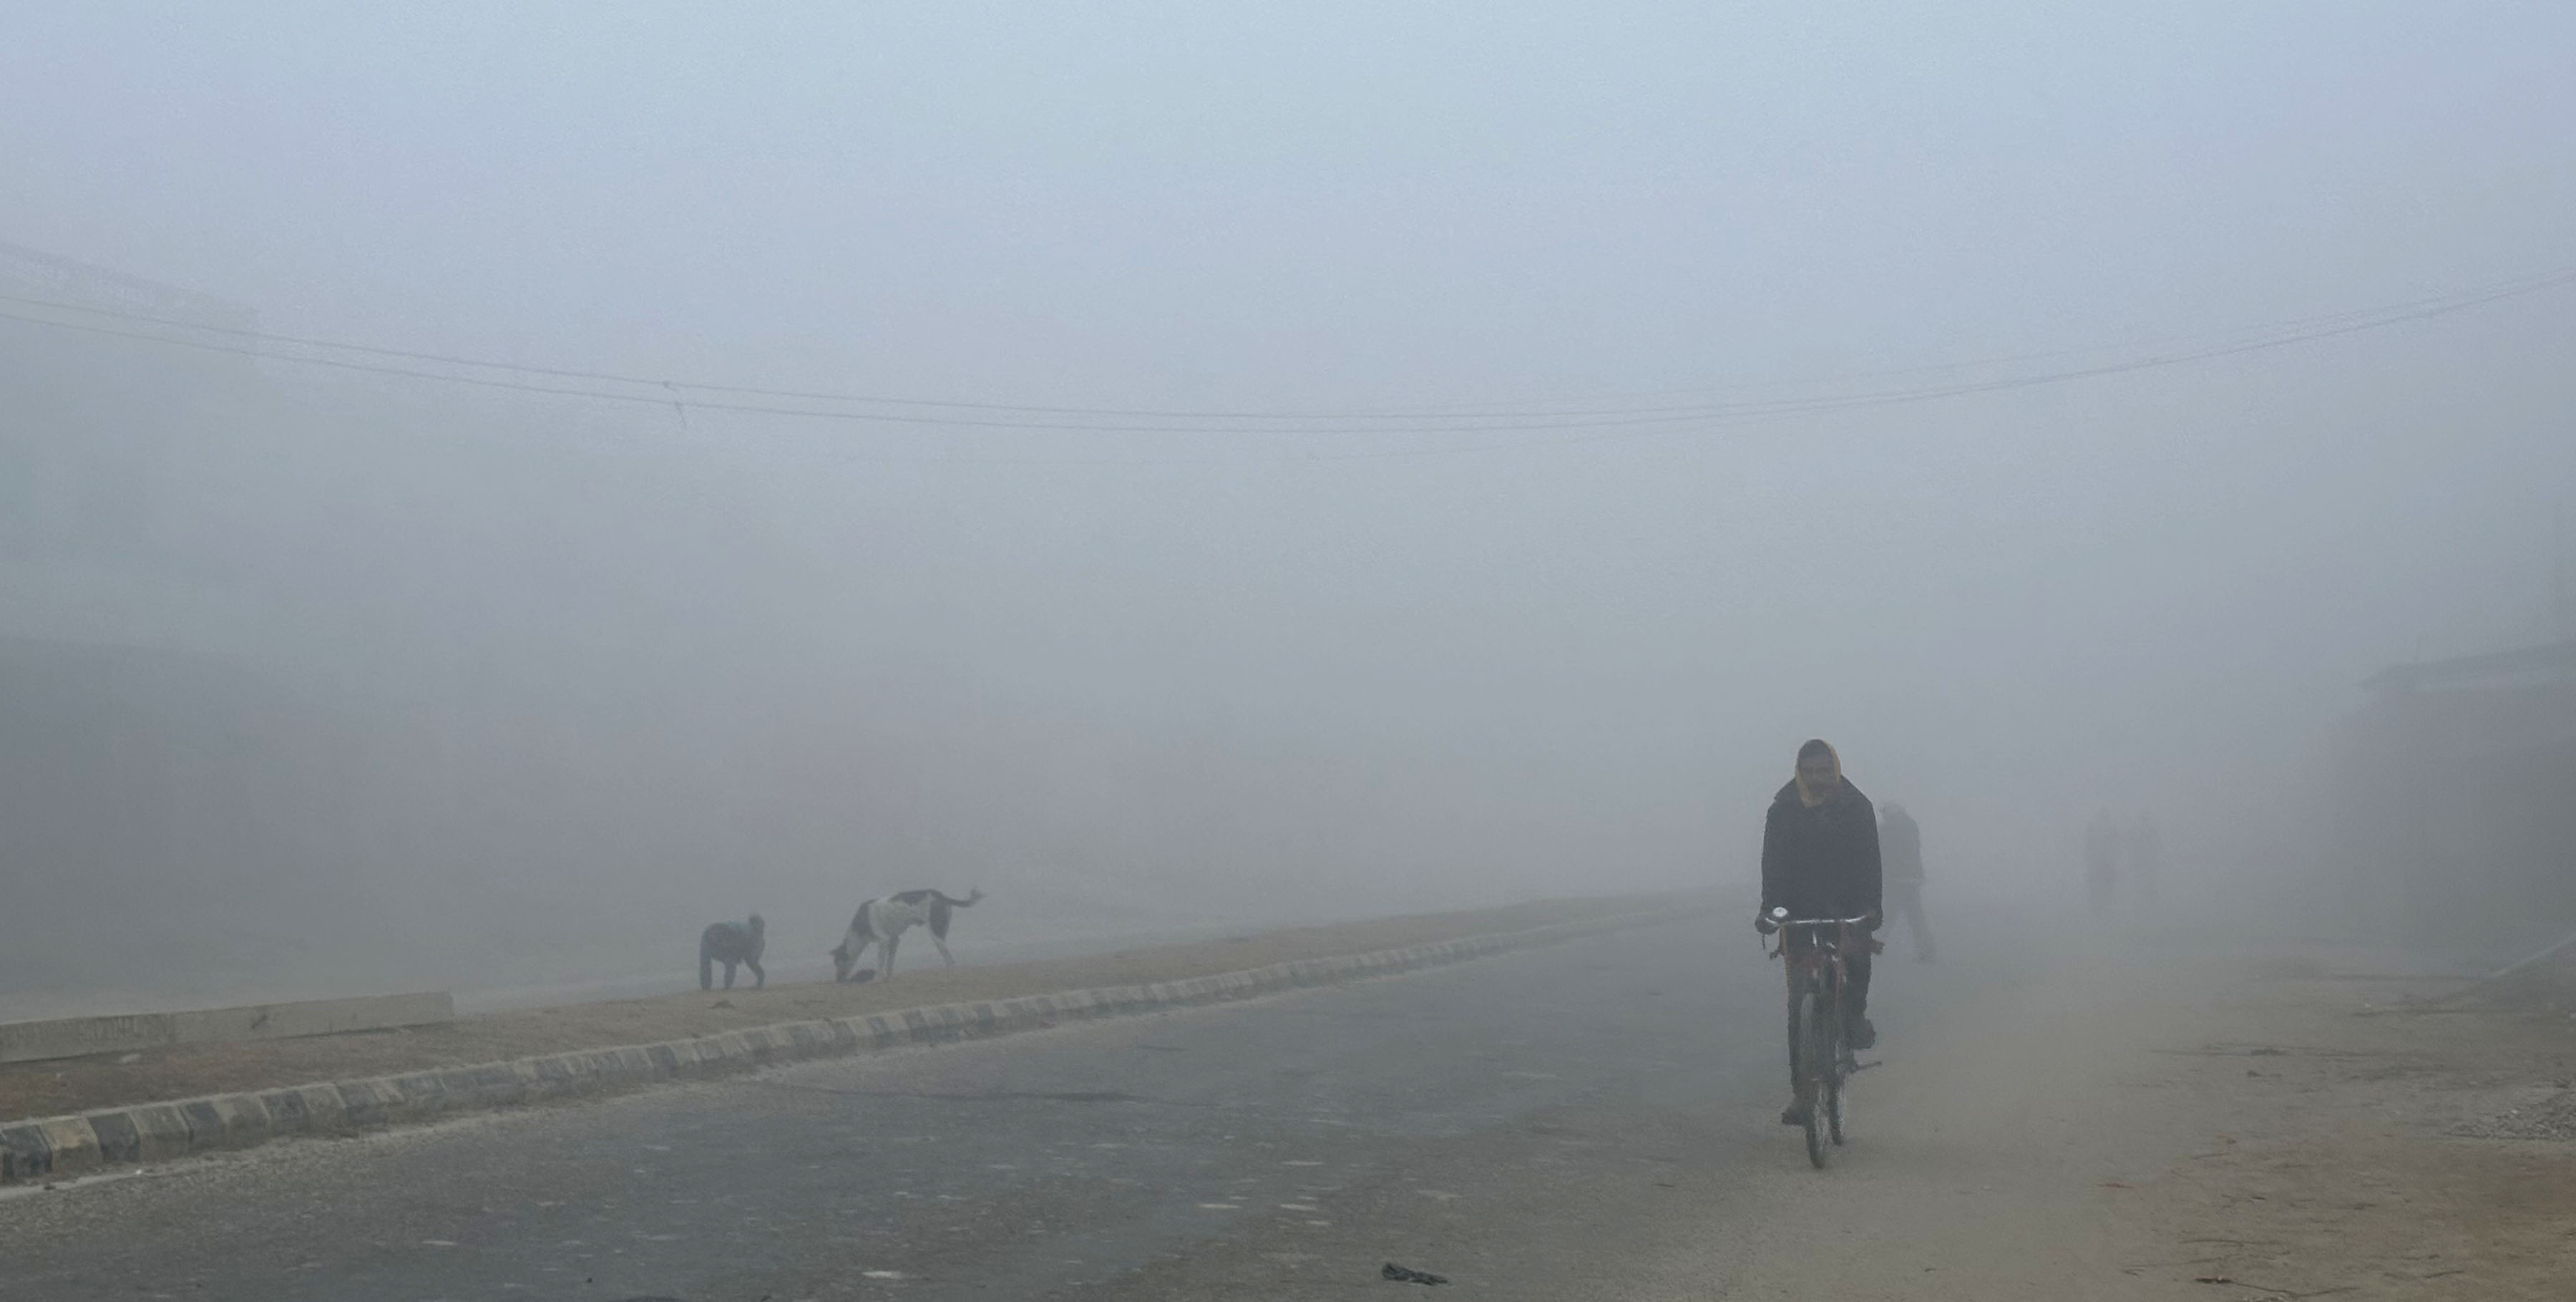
x=2144, y=588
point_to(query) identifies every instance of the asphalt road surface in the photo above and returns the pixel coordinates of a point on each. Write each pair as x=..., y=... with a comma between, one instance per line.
x=1548, y=1124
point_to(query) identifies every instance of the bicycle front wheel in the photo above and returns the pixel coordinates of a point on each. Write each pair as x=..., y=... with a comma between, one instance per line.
x=1837, y=1070
x=1811, y=1030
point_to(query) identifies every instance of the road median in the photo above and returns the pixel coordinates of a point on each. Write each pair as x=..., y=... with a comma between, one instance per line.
x=576, y=1063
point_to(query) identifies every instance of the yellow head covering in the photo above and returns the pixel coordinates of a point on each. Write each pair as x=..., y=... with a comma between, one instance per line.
x=1812, y=796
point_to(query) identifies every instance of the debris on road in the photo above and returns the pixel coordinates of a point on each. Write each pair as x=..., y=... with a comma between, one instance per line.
x=1405, y=1275
x=2552, y=1118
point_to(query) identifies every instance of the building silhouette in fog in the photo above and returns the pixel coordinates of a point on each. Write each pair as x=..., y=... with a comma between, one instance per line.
x=2452, y=792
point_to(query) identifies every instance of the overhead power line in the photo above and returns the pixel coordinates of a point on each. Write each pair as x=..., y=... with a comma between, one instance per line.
x=1607, y=422
x=664, y=385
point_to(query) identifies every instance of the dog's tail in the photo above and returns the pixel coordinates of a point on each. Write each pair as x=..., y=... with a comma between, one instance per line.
x=940, y=905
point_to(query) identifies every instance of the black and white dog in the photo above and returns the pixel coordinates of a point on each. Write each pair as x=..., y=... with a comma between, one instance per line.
x=883, y=921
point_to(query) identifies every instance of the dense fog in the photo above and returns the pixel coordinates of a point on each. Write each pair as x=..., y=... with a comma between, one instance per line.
x=1318, y=461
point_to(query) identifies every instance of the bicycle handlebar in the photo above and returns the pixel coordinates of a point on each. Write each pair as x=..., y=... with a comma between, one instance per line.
x=1780, y=927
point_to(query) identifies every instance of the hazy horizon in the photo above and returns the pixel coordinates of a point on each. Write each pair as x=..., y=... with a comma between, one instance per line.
x=720, y=658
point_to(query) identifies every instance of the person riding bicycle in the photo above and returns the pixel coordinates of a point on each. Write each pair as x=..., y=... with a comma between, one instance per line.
x=1820, y=860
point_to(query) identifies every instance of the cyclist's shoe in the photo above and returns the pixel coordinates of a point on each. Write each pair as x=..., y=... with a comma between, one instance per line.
x=1862, y=1035
x=1793, y=1115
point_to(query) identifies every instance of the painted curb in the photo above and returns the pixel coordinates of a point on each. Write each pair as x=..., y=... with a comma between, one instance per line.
x=61, y=1147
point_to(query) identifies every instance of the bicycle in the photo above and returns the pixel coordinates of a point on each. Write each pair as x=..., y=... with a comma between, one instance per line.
x=1820, y=1058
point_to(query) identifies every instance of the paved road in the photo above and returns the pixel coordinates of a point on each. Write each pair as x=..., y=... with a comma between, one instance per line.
x=1532, y=1125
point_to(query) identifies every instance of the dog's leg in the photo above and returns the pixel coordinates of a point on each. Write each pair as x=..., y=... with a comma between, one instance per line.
x=936, y=939
x=729, y=967
x=759, y=979
x=886, y=948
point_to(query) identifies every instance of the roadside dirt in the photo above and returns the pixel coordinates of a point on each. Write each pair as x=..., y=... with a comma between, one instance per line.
x=2410, y=1154
x=39, y=1089
x=2186, y=1127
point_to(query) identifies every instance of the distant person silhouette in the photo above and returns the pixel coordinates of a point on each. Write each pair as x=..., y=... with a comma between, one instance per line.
x=1900, y=848
x=2101, y=862
x=2146, y=855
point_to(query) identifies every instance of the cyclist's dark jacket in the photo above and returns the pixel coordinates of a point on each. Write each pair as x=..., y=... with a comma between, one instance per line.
x=1821, y=862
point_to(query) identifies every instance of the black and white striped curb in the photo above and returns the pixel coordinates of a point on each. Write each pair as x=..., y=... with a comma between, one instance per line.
x=55, y=1147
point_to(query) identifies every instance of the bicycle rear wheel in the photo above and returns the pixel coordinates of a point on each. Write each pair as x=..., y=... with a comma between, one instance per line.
x=1814, y=1037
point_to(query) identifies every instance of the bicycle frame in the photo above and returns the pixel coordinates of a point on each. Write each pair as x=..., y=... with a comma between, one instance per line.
x=1816, y=965
x=1817, y=960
